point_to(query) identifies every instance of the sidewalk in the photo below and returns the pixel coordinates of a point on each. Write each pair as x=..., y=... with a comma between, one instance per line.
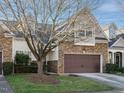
x=4, y=86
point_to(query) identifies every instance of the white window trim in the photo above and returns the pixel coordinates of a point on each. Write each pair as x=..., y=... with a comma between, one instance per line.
x=77, y=42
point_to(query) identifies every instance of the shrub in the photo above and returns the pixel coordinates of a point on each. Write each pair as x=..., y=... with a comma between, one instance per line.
x=33, y=64
x=112, y=68
x=45, y=67
x=25, y=69
x=121, y=70
x=7, y=68
x=32, y=68
x=22, y=59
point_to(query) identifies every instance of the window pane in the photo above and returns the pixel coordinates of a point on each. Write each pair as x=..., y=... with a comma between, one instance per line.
x=89, y=33
x=24, y=52
x=81, y=33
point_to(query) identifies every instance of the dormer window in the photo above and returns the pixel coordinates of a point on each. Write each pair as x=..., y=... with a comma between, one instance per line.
x=84, y=37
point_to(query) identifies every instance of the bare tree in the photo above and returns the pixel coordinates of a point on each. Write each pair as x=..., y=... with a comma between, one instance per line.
x=120, y=6
x=44, y=23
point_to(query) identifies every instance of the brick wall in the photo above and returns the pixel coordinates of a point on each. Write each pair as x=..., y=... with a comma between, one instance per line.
x=52, y=66
x=6, y=48
x=69, y=48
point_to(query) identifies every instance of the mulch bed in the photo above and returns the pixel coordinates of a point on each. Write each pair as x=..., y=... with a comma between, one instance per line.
x=42, y=79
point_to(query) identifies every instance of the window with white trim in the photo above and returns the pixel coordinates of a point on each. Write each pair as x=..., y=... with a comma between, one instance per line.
x=24, y=52
x=85, y=37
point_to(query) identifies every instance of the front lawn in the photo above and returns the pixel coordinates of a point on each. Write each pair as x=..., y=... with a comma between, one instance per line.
x=67, y=85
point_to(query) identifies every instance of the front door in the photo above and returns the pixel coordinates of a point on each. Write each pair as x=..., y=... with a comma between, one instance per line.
x=118, y=59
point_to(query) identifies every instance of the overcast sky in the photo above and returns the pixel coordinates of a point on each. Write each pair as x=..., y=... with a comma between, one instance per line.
x=109, y=12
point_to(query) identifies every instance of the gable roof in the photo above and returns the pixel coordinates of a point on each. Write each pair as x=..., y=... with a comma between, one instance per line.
x=99, y=34
x=86, y=15
x=120, y=31
x=115, y=40
x=112, y=41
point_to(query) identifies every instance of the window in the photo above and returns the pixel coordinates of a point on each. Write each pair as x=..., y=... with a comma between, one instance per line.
x=89, y=33
x=84, y=33
x=81, y=33
x=33, y=33
x=24, y=52
x=85, y=37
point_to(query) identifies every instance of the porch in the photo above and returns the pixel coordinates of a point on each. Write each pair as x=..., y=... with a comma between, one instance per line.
x=116, y=57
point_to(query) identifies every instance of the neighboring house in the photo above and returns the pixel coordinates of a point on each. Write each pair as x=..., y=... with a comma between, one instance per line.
x=116, y=50
x=10, y=44
x=116, y=44
x=120, y=31
x=86, y=53
x=110, y=30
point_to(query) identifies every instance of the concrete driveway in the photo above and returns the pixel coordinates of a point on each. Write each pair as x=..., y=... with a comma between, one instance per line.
x=108, y=79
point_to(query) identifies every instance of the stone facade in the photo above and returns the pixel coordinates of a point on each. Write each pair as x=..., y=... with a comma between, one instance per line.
x=70, y=48
x=6, y=48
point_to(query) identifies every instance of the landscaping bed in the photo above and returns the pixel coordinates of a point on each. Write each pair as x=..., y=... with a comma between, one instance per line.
x=114, y=69
x=66, y=84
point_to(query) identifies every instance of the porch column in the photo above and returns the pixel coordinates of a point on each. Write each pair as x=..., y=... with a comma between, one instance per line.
x=113, y=58
x=122, y=59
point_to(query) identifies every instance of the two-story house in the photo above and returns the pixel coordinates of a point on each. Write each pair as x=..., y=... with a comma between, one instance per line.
x=87, y=52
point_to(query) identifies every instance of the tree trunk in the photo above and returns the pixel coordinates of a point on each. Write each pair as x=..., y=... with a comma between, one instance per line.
x=40, y=67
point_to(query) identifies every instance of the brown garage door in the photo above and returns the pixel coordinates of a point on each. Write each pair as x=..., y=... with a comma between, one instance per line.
x=75, y=63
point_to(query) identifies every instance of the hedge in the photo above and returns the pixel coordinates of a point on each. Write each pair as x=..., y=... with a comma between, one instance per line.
x=7, y=68
x=111, y=68
x=114, y=68
x=25, y=69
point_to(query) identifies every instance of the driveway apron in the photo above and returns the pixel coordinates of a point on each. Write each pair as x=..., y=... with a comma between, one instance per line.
x=108, y=79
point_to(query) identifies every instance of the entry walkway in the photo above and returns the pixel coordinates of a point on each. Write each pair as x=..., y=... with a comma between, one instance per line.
x=4, y=86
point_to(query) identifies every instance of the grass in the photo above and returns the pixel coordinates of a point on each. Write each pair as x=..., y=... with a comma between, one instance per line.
x=67, y=84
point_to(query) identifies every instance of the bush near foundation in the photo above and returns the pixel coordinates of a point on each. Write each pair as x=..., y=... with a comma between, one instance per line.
x=7, y=68
x=22, y=59
x=112, y=68
x=25, y=69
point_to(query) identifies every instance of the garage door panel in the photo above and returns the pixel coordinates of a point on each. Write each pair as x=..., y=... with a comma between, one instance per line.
x=74, y=63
